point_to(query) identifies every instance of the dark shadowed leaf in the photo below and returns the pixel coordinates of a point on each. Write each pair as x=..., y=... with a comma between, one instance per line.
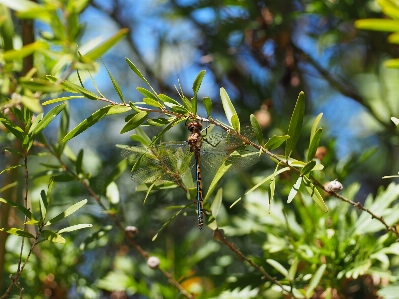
x=208, y=105
x=275, y=141
x=257, y=129
x=52, y=236
x=18, y=232
x=24, y=210
x=314, y=143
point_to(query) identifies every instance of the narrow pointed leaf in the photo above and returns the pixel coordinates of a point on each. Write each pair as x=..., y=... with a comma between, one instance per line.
x=18, y=232
x=169, y=220
x=198, y=81
x=52, y=236
x=116, y=85
x=257, y=129
x=275, y=141
x=72, y=87
x=294, y=189
x=219, y=174
x=292, y=270
x=67, y=212
x=151, y=102
x=11, y=167
x=13, y=128
x=134, y=122
x=314, y=143
x=118, y=110
x=79, y=162
x=272, y=189
x=276, y=265
x=314, y=282
x=74, y=227
x=24, y=210
x=208, y=105
x=314, y=193
x=62, y=99
x=308, y=167
x=295, y=125
x=315, y=124
x=138, y=73
x=87, y=123
x=43, y=204
x=228, y=107
x=38, y=118
x=105, y=46
x=378, y=25
x=235, y=122
x=147, y=93
x=217, y=202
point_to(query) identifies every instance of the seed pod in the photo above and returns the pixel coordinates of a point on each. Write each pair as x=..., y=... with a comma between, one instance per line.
x=334, y=186
x=153, y=262
x=131, y=231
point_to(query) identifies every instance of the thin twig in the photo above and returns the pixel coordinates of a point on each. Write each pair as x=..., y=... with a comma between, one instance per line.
x=218, y=235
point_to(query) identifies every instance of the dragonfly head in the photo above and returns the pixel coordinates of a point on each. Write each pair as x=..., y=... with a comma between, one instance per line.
x=194, y=126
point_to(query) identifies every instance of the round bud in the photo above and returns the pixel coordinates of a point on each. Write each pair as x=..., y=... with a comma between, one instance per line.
x=153, y=262
x=334, y=186
x=131, y=231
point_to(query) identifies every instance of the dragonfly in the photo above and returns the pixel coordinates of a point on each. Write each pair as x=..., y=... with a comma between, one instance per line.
x=171, y=161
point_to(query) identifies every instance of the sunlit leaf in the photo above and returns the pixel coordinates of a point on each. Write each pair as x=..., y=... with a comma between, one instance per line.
x=67, y=212
x=61, y=100
x=208, y=105
x=11, y=167
x=52, y=236
x=198, y=80
x=276, y=265
x=308, y=167
x=24, y=51
x=98, y=51
x=378, y=24
x=314, y=143
x=295, y=125
x=74, y=227
x=314, y=282
x=18, y=232
x=294, y=189
x=116, y=85
x=36, y=84
x=47, y=119
x=87, y=123
x=229, y=109
x=314, y=193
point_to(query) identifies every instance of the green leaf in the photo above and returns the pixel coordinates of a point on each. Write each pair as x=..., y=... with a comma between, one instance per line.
x=78, y=162
x=256, y=128
x=315, y=124
x=98, y=51
x=275, y=141
x=36, y=84
x=308, y=167
x=208, y=105
x=12, y=127
x=158, y=121
x=169, y=220
x=32, y=104
x=219, y=174
x=314, y=282
x=118, y=110
x=72, y=87
x=198, y=81
x=134, y=122
x=147, y=93
x=295, y=125
x=62, y=99
x=52, y=236
x=228, y=107
x=24, y=210
x=47, y=119
x=116, y=172
x=95, y=236
x=138, y=73
x=378, y=25
x=24, y=51
x=276, y=265
x=112, y=193
x=393, y=38
x=43, y=204
x=143, y=136
x=152, y=102
x=216, y=203
x=116, y=85
x=395, y=121
x=272, y=189
x=292, y=270
x=235, y=122
x=392, y=63
x=314, y=193
x=166, y=99
x=74, y=227
x=18, y=232
x=314, y=143
x=87, y=123
x=11, y=167
x=294, y=189
x=67, y=212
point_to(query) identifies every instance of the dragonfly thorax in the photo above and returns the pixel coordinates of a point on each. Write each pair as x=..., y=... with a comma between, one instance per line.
x=194, y=140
